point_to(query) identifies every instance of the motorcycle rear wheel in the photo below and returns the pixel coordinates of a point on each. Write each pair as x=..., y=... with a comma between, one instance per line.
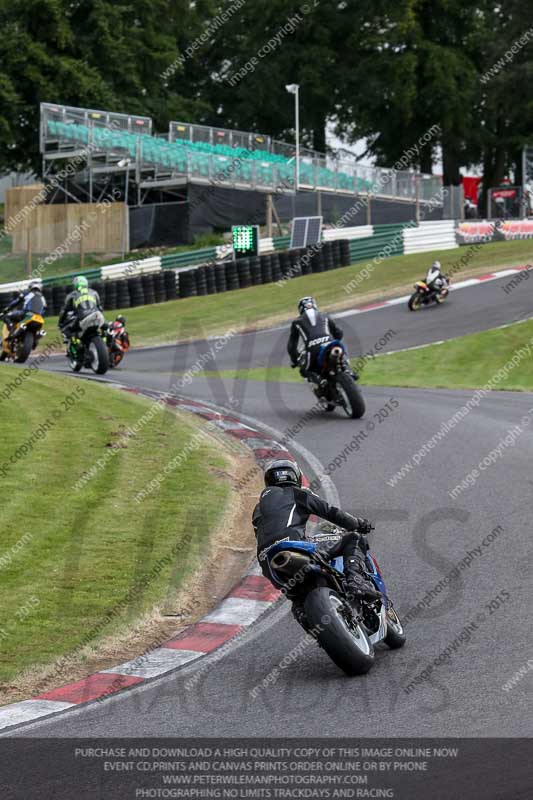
x=350, y=394
x=99, y=359
x=344, y=640
x=24, y=347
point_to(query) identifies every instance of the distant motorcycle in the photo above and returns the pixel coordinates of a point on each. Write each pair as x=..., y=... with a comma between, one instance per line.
x=25, y=338
x=424, y=295
x=337, y=383
x=117, y=341
x=346, y=630
x=87, y=349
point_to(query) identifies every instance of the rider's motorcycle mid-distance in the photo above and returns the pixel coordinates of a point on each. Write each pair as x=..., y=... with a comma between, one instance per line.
x=315, y=346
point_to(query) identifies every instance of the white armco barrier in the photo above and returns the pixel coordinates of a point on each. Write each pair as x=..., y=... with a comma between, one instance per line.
x=266, y=245
x=129, y=269
x=431, y=235
x=357, y=232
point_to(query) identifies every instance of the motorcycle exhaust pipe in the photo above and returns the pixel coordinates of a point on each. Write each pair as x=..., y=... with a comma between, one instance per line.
x=289, y=562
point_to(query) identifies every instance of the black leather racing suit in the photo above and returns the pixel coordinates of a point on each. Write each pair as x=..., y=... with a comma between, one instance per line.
x=282, y=513
x=314, y=329
x=81, y=304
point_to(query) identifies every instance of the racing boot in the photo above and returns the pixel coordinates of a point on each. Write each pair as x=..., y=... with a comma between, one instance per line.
x=357, y=585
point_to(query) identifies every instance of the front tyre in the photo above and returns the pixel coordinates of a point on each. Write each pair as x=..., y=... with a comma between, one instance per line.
x=24, y=347
x=395, y=637
x=350, y=395
x=98, y=357
x=415, y=302
x=344, y=640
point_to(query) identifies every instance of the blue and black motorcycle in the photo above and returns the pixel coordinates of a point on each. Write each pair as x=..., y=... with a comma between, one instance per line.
x=335, y=385
x=346, y=630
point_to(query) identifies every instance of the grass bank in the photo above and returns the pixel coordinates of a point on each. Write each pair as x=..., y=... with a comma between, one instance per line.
x=71, y=556
x=467, y=362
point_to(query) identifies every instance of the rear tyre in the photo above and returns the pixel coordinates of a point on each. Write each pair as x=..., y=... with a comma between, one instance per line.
x=98, y=356
x=344, y=640
x=395, y=637
x=24, y=347
x=415, y=302
x=350, y=394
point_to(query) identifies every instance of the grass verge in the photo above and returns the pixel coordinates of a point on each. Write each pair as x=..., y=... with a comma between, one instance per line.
x=69, y=558
x=260, y=306
x=467, y=362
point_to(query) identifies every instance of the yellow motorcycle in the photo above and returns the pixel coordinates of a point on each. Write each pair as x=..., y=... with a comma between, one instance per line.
x=24, y=339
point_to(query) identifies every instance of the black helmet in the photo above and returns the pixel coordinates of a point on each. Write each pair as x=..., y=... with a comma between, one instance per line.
x=283, y=472
x=121, y=319
x=306, y=302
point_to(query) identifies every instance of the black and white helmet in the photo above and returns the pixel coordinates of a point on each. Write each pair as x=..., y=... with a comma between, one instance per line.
x=34, y=286
x=283, y=472
x=306, y=303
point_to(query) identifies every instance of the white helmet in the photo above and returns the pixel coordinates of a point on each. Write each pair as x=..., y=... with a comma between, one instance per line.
x=435, y=265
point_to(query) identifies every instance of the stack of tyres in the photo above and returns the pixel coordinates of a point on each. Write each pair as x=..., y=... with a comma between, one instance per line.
x=276, y=267
x=111, y=290
x=266, y=269
x=316, y=259
x=336, y=253
x=135, y=289
x=327, y=255
x=305, y=260
x=99, y=288
x=187, y=283
x=123, y=295
x=285, y=263
x=171, y=289
x=48, y=296
x=59, y=294
x=159, y=287
x=243, y=271
x=232, y=276
x=210, y=276
x=345, y=252
x=148, y=289
x=201, y=280
x=255, y=270
x=296, y=267
x=220, y=277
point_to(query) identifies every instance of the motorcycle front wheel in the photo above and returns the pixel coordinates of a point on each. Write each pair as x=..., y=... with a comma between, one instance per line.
x=395, y=637
x=415, y=302
x=344, y=640
x=350, y=395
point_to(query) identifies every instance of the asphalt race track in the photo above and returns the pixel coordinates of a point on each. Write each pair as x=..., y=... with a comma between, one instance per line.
x=421, y=535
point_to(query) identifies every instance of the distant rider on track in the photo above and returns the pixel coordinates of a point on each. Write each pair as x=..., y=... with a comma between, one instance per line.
x=312, y=329
x=435, y=278
x=282, y=513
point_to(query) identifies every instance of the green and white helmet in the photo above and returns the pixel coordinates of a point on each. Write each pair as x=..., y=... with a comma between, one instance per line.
x=80, y=282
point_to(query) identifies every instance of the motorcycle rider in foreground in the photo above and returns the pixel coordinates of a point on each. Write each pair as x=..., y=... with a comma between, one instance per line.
x=30, y=300
x=313, y=328
x=82, y=308
x=282, y=513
